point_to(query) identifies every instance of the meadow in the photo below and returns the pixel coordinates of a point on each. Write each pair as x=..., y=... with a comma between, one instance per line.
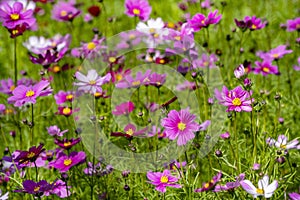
x=146, y=99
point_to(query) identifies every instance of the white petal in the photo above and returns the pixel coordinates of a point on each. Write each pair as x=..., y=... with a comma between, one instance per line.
x=264, y=182
x=269, y=190
x=249, y=187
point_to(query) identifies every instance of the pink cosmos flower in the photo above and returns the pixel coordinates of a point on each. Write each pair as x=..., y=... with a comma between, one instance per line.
x=63, y=163
x=230, y=185
x=199, y=20
x=162, y=180
x=55, y=131
x=264, y=189
x=92, y=82
x=124, y=108
x=131, y=82
x=180, y=125
x=16, y=15
x=265, y=67
x=239, y=71
x=274, y=54
x=119, y=74
x=23, y=94
x=130, y=131
x=282, y=143
x=252, y=23
x=138, y=8
x=61, y=97
x=297, y=67
x=211, y=184
x=236, y=99
x=65, y=11
x=293, y=24
x=294, y=196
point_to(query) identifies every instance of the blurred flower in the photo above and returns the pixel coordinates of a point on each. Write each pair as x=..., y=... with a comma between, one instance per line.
x=66, y=144
x=274, y=54
x=225, y=135
x=90, y=50
x=30, y=155
x=199, y=20
x=61, y=97
x=66, y=111
x=55, y=131
x=239, y=71
x=35, y=188
x=63, y=163
x=293, y=24
x=4, y=196
x=204, y=125
x=130, y=82
x=138, y=8
x=97, y=169
x=94, y=10
x=264, y=189
x=206, y=4
x=37, y=44
x=206, y=60
x=186, y=86
x=282, y=143
x=59, y=188
x=2, y=109
x=256, y=166
x=252, y=23
x=297, y=67
x=230, y=185
x=119, y=74
x=294, y=196
x=236, y=99
x=23, y=94
x=129, y=39
x=129, y=132
x=124, y=108
x=211, y=184
x=92, y=82
x=162, y=180
x=180, y=125
x=65, y=11
x=157, y=80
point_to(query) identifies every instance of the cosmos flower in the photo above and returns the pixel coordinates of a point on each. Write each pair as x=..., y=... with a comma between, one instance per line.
x=230, y=185
x=138, y=8
x=157, y=80
x=129, y=39
x=162, y=180
x=264, y=189
x=66, y=110
x=119, y=74
x=92, y=82
x=274, y=54
x=211, y=184
x=180, y=125
x=55, y=131
x=293, y=24
x=129, y=131
x=252, y=23
x=265, y=67
x=61, y=97
x=294, y=196
x=37, y=44
x=282, y=143
x=65, y=11
x=16, y=15
x=63, y=163
x=236, y=99
x=66, y=143
x=23, y=94
x=206, y=60
x=30, y=155
x=199, y=20
x=35, y=188
x=239, y=71
x=134, y=82
x=97, y=169
x=4, y=196
x=297, y=67
x=124, y=108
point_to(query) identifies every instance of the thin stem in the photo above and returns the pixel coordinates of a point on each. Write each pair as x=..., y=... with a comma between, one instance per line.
x=36, y=172
x=15, y=62
x=32, y=124
x=236, y=143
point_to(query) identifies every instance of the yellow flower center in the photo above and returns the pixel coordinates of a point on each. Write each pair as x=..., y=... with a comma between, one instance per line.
x=112, y=59
x=202, y=22
x=12, y=88
x=162, y=61
x=119, y=77
x=164, y=179
x=63, y=13
x=171, y=25
x=152, y=30
x=29, y=93
x=136, y=83
x=92, y=82
x=131, y=36
x=67, y=144
x=259, y=191
x=158, y=83
x=253, y=26
x=181, y=126
x=136, y=11
x=236, y=102
x=37, y=188
x=67, y=162
x=98, y=94
x=177, y=38
x=275, y=55
x=66, y=111
x=156, y=35
x=91, y=46
x=265, y=69
x=206, y=185
x=283, y=146
x=56, y=69
x=129, y=132
x=15, y=16
x=69, y=97
x=15, y=32
x=31, y=155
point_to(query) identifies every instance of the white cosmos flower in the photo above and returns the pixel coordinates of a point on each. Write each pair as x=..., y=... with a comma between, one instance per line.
x=36, y=44
x=264, y=189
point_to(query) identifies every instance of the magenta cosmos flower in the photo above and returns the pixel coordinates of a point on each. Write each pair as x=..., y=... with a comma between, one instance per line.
x=61, y=97
x=199, y=20
x=138, y=8
x=294, y=196
x=236, y=99
x=162, y=180
x=30, y=155
x=230, y=185
x=211, y=184
x=65, y=11
x=55, y=131
x=92, y=82
x=274, y=54
x=23, y=94
x=64, y=162
x=124, y=108
x=264, y=189
x=66, y=143
x=134, y=82
x=252, y=23
x=265, y=67
x=16, y=15
x=293, y=24
x=180, y=125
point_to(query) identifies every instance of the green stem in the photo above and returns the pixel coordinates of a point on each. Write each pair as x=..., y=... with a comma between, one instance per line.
x=36, y=172
x=15, y=62
x=32, y=124
x=236, y=143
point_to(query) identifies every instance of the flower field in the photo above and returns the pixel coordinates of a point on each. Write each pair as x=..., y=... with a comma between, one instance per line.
x=145, y=99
